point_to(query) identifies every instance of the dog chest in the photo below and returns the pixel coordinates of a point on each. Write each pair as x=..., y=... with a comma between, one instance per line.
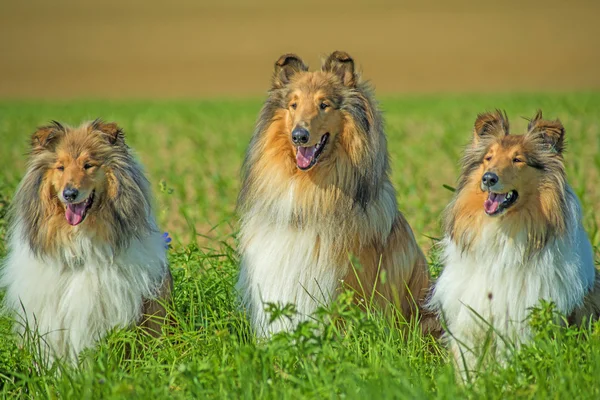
x=287, y=265
x=74, y=307
x=502, y=286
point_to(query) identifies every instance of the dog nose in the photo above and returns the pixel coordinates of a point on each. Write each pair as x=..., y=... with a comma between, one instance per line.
x=70, y=193
x=489, y=179
x=300, y=136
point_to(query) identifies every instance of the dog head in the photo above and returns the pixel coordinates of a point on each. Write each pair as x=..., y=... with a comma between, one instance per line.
x=514, y=169
x=76, y=158
x=312, y=102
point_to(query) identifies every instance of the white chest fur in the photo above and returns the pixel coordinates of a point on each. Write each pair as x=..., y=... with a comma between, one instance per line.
x=496, y=280
x=73, y=304
x=285, y=265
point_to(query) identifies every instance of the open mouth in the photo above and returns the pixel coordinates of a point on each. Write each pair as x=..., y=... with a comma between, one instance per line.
x=307, y=157
x=75, y=213
x=496, y=203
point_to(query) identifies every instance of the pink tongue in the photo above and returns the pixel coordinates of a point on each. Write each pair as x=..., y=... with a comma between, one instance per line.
x=493, y=202
x=305, y=155
x=75, y=212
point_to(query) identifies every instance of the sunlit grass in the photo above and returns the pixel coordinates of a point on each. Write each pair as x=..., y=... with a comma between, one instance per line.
x=192, y=152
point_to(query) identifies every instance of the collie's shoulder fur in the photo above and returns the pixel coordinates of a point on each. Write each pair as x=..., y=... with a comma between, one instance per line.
x=315, y=189
x=513, y=236
x=84, y=251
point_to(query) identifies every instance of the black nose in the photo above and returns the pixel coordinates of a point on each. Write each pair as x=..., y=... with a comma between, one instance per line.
x=70, y=193
x=489, y=179
x=300, y=136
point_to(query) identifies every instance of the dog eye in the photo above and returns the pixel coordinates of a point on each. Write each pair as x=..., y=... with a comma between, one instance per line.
x=517, y=160
x=87, y=166
x=488, y=158
x=60, y=168
x=293, y=105
x=323, y=106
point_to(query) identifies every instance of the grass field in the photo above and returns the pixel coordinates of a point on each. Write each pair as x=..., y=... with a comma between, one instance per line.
x=192, y=151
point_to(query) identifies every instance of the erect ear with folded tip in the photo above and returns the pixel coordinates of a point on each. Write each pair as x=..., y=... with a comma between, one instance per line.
x=285, y=67
x=489, y=125
x=552, y=133
x=110, y=130
x=341, y=64
x=45, y=137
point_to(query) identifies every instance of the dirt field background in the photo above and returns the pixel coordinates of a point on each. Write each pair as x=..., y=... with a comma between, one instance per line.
x=184, y=48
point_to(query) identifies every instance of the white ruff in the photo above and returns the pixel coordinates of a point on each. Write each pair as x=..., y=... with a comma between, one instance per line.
x=286, y=264
x=280, y=265
x=75, y=303
x=501, y=285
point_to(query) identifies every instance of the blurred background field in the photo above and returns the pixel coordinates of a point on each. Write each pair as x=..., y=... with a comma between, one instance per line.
x=189, y=48
x=186, y=79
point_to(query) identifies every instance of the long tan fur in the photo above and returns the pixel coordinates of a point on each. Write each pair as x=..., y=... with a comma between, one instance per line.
x=301, y=227
x=78, y=267
x=513, y=240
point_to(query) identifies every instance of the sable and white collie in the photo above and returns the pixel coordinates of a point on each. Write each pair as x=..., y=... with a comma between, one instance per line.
x=315, y=192
x=84, y=252
x=513, y=236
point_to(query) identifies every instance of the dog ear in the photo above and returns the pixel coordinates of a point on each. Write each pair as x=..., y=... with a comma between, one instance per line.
x=110, y=130
x=341, y=64
x=45, y=137
x=552, y=133
x=491, y=124
x=285, y=67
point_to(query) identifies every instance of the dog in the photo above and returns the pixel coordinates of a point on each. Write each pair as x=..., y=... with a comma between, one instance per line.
x=315, y=193
x=513, y=237
x=84, y=251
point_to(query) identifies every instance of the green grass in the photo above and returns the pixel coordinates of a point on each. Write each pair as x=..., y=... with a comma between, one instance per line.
x=192, y=152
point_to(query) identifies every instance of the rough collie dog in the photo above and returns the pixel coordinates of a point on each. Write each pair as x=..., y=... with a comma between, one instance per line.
x=513, y=236
x=315, y=192
x=85, y=254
